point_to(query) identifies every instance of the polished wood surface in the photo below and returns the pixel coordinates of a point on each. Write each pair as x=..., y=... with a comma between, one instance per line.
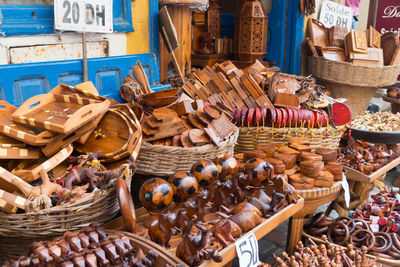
x=227, y=253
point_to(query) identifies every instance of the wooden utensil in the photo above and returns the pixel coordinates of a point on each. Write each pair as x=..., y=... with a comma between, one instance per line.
x=25, y=134
x=141, y=77
x=58, y=113
x=40, y=194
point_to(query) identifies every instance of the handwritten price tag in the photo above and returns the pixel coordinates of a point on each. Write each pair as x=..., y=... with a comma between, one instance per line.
x=247, y=251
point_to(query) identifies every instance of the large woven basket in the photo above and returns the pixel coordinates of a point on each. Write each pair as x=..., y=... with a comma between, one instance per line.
x=251, y=137
x=351, y=74
x=166, y=160
x=18, y=231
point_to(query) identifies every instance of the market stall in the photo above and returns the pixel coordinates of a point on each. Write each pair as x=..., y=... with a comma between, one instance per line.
x=196, y=174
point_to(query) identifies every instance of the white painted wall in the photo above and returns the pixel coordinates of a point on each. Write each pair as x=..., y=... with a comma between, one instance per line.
x=53, y=47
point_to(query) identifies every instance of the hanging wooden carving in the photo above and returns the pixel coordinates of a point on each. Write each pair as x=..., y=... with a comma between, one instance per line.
x=214, y=19
x=251, y=31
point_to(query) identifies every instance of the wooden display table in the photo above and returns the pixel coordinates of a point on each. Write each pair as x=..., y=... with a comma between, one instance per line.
x=360, y=186
x=313, y=198
x=228, y=253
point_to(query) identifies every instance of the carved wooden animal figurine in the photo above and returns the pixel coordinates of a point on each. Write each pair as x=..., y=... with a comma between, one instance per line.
x=258, y=171
x=227, y=167
x=161, y=228
x=80, y=176
x=109, y=176
x=246, y=220
x=184, y=185
x=205, y=172
x=220, y=194
x=225, y=232
x=243, y=207
x=193, y=248
x=155, y=194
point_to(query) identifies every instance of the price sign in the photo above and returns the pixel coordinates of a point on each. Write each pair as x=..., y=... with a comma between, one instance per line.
x=247, y=251
x=84, y=15
x=334, y=14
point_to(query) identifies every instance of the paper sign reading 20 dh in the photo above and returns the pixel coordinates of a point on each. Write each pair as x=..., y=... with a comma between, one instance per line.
x=84, y=15
x=247, y=251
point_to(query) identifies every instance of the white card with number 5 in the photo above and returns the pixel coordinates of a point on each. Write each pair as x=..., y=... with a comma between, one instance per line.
x=247, y=251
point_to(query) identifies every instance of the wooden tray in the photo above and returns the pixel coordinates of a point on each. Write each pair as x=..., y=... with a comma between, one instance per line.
x=29, y=170
x=63, y=89
x=6, y=141
x=229, y=252
x=29, y=135
x=19, y=153
x=118, y=133
x=58, y=113
x=376, y=137
x=62, y=140
x=355, y=175
x=389, y=262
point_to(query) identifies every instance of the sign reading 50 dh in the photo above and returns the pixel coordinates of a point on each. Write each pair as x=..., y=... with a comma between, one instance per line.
x=83, y=15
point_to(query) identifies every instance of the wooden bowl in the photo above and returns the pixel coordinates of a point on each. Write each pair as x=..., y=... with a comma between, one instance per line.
x=160, y=99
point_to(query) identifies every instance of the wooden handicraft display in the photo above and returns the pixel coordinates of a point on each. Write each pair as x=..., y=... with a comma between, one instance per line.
x=25, y=134
x=251, y=31
x=58, y=113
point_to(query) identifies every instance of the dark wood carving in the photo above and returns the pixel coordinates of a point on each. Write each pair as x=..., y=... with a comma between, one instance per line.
x=251, y=27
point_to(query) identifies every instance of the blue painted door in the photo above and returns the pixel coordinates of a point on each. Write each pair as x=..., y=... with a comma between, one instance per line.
x=18, y=82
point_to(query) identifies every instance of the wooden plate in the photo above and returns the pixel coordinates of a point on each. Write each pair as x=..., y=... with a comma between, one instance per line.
x=58, y=113
x=26, y=134
x=115, y=131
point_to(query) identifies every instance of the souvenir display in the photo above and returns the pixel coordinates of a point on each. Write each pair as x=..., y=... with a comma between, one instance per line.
x=219, y=199
x=305, y=167
x=356, y=232
x=233, y=149
x=93, y=246
x=366, y=157
x=325, y=255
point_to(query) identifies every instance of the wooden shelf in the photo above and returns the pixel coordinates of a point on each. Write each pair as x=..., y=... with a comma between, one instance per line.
x=357, y=176
x=228, y=253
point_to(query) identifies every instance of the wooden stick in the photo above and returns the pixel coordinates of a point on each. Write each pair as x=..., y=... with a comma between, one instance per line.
x=174, y=60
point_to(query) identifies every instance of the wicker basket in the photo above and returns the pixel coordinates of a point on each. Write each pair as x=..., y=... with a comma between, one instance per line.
x=18, y=231
x=166, y=160
x=251, y=137
x=351, y=74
